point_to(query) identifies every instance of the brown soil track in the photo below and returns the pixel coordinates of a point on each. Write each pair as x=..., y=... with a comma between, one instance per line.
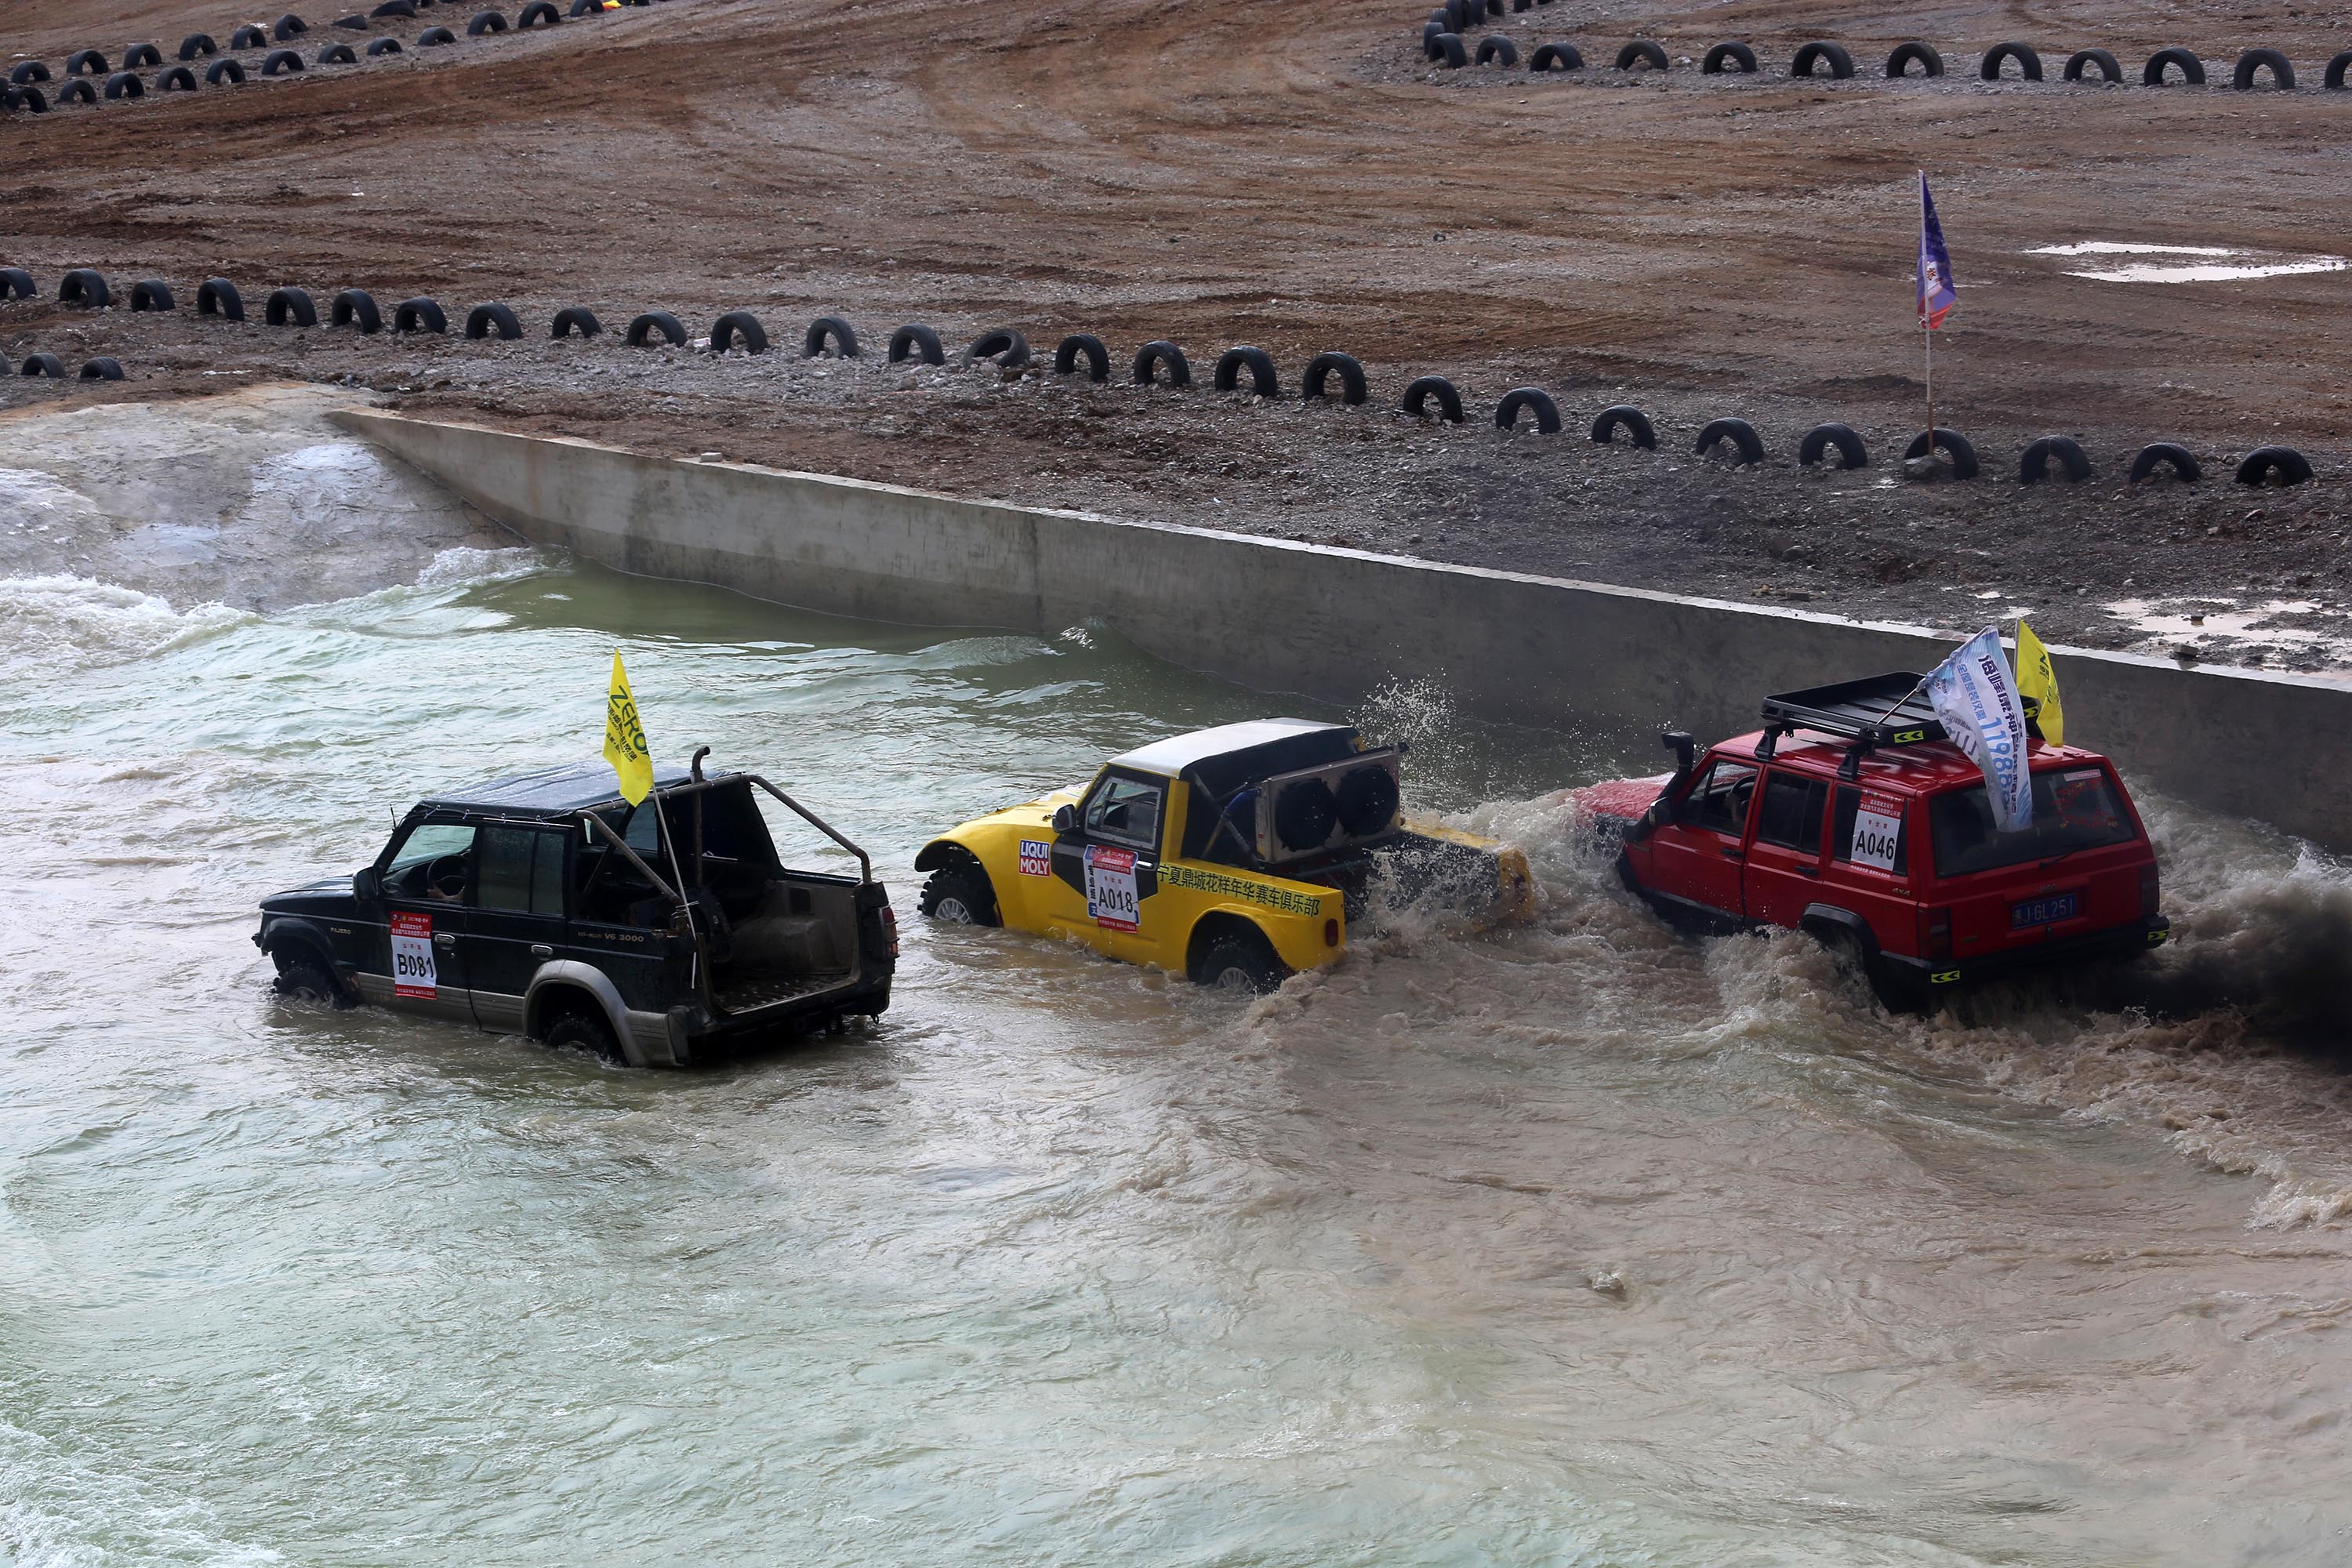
x=1291, y=176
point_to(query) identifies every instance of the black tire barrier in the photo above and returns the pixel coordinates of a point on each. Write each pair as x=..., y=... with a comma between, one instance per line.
x=383, y=46
x=653, y=322
x=47, y=364
x=492, y=321
x=394, y=8
x=1435, y=28
x=2029, y=62
x=1322, y=367
x=920, y=341
x=2287, y=465
x=1635, y=424
x=424, y=315
x=86, y=62
x=2192, y=69
x=2281, y=70
x=575, y=319
x=739, y=327
x=337, y=55
x=288, y=26
x=1496, y=49
x=1416, y=401
x=2333, y=81
x=289, y=306
x=85, y=287
x=1447, y=46
x=1641, y=51
x=1739, y=432
x=32, y=99
x=281, y=62
x=355, y=308
x=483, y=21
x=538, y=13
x=219, y=297
x=16, y=283
x=249, y=37
x=1158, y=352
x=198, y=45
x=179, y=79
x=432, y=38
x=2179, y=458
x=1851, y=453
x=1533, y=398
x=125, y=84
x=1556, y=57
x=78, y=91
x=1263, y=382
x=103, y=368
x=1098, y=356
x=356, y=23
x=1741, y=58
x=829, y=334
x=28, y=71
x=151, y=294
x=1459, y=15
x=1956, y=448
x=1005, y=347
x=223, y=71
x=1820, y=51
x=142, y=56
x=1898, y=64
x=2033, y=465
x=586, y=8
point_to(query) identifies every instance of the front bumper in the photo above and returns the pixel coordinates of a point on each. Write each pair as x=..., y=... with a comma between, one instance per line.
x=2115, y=942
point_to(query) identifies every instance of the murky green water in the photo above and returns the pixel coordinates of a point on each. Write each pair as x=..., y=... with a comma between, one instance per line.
x=1580, y=1246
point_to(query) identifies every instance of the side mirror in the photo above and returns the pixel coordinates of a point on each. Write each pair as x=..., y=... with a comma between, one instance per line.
x=1066, y=819
x=366, y=886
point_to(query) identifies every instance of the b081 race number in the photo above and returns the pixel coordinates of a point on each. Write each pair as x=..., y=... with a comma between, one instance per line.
x=413, y=971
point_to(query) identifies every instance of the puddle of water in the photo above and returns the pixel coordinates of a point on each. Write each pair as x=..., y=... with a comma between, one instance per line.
x=2227, y=266
x=2173, y=621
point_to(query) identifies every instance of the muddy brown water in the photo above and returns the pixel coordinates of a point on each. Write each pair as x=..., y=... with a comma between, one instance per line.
x=1576, y=1245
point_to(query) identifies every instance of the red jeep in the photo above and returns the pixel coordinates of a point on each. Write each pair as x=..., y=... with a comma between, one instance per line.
x=1852, y=816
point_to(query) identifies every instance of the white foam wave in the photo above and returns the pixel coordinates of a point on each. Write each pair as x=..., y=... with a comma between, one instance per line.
x=467, y=566
x=58, y=1511
x=50, y=623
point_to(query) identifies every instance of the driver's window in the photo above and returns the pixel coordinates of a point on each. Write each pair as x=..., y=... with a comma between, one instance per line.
x=431, y=863
x=1125, y=811
x=1720, y=801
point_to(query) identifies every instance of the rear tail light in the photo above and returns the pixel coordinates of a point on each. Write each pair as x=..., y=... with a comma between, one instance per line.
x=890, y=924
x=2147, y=899
x=1936, y=934
x=1330, y=934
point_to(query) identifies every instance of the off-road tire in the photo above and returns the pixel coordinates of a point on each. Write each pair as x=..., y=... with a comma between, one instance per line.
x=957, y=893
x=1238, y=961
x=301, y=977
x=583, y=1031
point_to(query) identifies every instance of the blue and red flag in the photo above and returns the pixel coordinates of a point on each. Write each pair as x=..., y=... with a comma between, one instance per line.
x=1936, y=296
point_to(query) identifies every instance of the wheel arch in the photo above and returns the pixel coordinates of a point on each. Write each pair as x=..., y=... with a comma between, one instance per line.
x=285, y=933
x=1822, y=920
x=948, y=851
x=566, y=984
x=1221, y=921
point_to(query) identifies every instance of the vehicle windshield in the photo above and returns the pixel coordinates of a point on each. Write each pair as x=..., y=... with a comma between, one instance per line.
x=2074, y=808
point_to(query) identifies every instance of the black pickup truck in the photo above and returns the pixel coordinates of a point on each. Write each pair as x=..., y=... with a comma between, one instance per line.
x=545, y=905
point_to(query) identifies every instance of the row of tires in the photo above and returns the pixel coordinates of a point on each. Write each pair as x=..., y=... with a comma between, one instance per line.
x=102, y=368
x=1443, y=42
x=1157, y=364
x=84, y=68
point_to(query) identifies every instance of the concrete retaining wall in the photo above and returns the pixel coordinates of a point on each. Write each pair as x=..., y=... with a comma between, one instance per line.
x=1333, y=623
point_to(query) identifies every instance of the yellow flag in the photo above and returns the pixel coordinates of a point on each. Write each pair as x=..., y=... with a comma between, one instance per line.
x=2036, y=680
x=624, y=738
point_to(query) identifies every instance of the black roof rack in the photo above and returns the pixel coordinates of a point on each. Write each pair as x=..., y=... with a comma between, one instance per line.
x=1877, y=710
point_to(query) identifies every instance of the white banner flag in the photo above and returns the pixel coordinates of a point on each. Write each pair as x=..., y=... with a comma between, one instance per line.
x=1976, y=697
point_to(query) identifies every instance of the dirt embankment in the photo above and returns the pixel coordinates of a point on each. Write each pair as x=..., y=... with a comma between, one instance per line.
x=1298, y=178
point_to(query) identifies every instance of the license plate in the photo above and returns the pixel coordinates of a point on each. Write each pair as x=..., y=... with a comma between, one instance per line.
x=2045, y=911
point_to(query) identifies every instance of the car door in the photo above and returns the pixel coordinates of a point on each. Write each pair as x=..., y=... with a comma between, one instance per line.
x=516, y=920
x=1697, y=854
x=1106, y=868
x=1869, y=870
x=1782, y=874
x=421, y=968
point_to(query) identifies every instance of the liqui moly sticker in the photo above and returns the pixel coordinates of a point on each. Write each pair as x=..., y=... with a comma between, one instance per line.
x=1877, y=828
x=1111, y=898
x=413, y=973
x=1036, y=857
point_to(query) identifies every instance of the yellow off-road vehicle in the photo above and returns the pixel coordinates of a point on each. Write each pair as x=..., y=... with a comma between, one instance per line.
x=1236, y=855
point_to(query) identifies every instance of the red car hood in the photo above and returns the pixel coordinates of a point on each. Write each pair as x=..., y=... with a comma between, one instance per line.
x=1628, y=798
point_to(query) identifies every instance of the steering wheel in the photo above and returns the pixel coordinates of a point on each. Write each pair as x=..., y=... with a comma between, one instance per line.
x=446, y=876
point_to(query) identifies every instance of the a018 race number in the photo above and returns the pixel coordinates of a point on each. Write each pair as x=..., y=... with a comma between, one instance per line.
x=1111, y=899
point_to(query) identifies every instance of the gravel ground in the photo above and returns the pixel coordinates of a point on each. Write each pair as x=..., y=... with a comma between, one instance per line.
x=1297, y=178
